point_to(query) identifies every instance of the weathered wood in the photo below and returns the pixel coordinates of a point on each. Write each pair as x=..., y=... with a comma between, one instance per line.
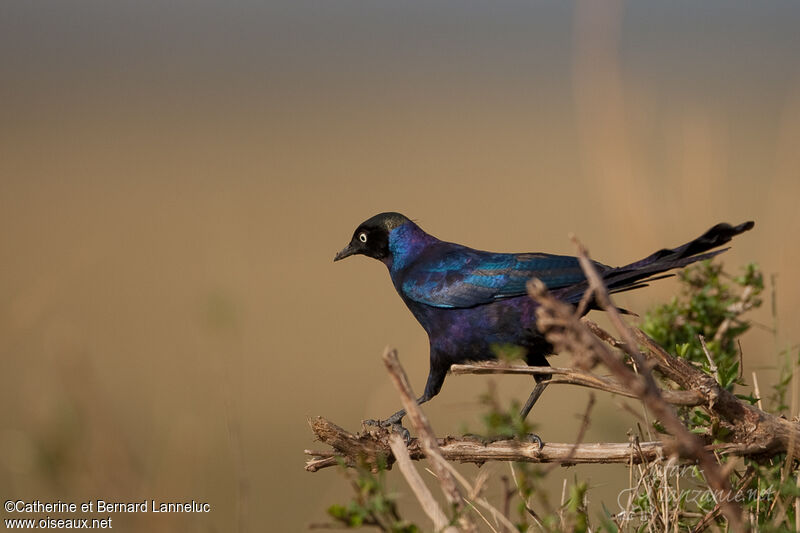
x=427, y=441
x=752, y=432
x=374, y=442
x=573, y=376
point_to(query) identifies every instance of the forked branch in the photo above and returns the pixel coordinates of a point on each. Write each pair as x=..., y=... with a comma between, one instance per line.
x=752, y=432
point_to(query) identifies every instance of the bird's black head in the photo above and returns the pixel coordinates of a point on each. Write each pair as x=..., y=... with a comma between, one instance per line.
x=371, y=238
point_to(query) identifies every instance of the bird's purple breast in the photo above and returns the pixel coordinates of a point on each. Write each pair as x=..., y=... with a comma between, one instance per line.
x=471, y=333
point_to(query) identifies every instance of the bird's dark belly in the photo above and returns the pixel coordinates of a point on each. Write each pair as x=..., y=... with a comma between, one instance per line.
x=475, y=333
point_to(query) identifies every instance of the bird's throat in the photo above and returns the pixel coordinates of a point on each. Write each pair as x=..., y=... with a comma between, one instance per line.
x=406, y=243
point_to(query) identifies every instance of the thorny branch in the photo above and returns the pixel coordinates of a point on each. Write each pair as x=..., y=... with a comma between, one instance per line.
x=752, y=431
x=643, y=383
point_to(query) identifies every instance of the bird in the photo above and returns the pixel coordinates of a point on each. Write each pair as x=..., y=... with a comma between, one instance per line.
x=470, y=301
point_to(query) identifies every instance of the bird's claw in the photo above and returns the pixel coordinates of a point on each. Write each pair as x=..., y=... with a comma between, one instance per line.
x=532, y=437
x=397, y=427
x=394, y=426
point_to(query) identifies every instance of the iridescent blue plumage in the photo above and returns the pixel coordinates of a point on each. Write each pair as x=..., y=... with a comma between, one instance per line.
x=453, y=276
x=469, y=301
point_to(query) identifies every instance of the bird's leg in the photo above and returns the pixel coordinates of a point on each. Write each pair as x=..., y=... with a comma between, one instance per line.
x=432, y=388
x=541, y=384
x=395, y=421
x=535, y=393
x=397, y=417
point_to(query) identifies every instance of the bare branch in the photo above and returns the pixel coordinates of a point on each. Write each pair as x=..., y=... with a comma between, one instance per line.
x=752, y=431
x=751, y=427
x=424, y=496
x=689, y=445
x=374, y=443
x=709, y=518
x=573, y=376
x=427, y=439
x=711, y=364
x=473, y=493
x=737, y=309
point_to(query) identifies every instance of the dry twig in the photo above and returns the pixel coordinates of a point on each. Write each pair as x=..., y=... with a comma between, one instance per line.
x=374, y=443
x=643, y=383
x=427, y=439
x=753, y=432
x=424, y=496
x=573, y=376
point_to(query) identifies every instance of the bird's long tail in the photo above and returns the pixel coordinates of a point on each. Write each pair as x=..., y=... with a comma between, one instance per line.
x=638, y=274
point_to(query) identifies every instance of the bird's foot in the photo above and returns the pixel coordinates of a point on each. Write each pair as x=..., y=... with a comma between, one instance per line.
x=533, y=437
x=392, y=424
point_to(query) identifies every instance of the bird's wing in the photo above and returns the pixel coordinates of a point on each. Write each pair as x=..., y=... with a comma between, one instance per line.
x=463, y=277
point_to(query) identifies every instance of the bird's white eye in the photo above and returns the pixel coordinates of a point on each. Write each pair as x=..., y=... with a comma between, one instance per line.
x=362, y=237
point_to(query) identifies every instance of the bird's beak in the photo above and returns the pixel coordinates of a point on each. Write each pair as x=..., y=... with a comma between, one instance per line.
x=347, y=251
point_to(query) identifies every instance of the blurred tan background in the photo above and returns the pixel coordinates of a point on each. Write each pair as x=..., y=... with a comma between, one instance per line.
x=175, y=179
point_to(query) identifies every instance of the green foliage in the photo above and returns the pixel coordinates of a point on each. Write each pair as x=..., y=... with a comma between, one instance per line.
x=770, y=496
x=571, y=515
x=371, y=505
x=711, y=305
x=503, y=423
x=508, y=352
x=777, y=399
x=662, y=496
x=526, y=477
x=506, y=423
x=576, y=516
